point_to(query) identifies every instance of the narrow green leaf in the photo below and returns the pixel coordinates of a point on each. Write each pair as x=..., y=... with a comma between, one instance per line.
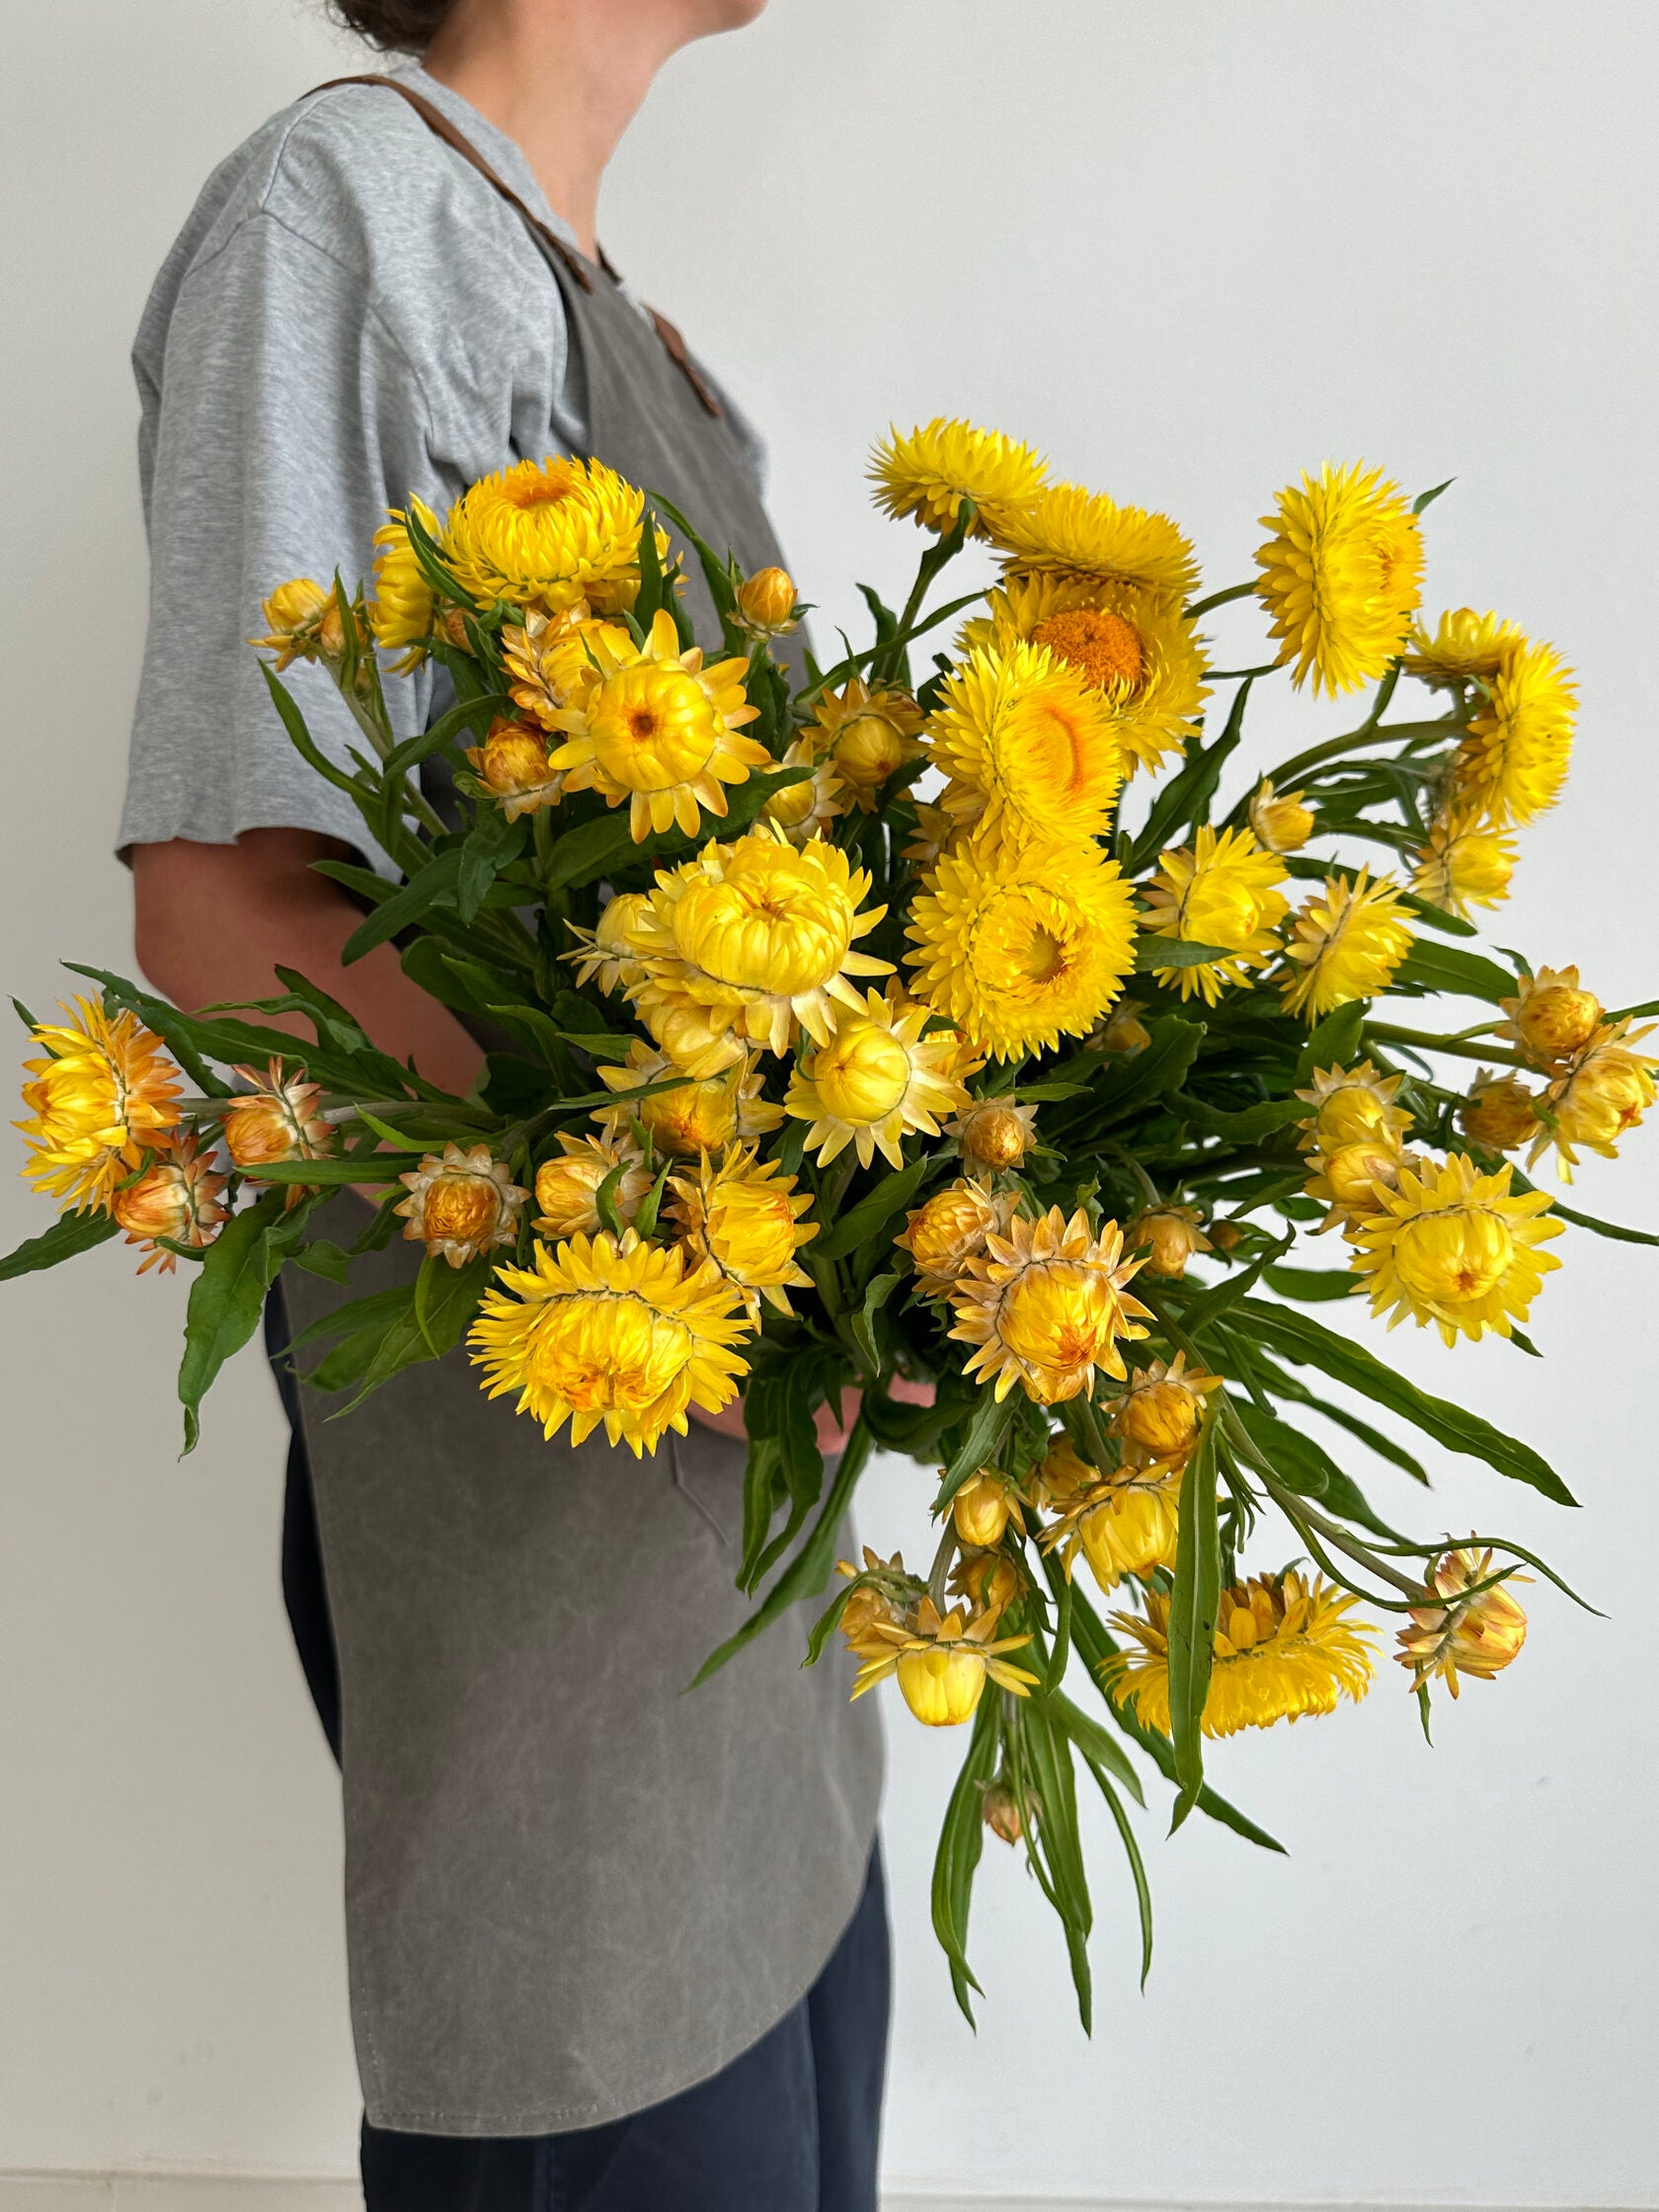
x=447, y=1299
x=961, y=1840
x=1136, y=1864
x=227, y=1297
x=1433, y=967
x=1155, y=955
x=475, y=715
x=1194, y=1602
x=434, y=886
x=863, y=1223
x=992, y=1419
x=1333, y=1042
x=69, y=1234
x=1310, y=1286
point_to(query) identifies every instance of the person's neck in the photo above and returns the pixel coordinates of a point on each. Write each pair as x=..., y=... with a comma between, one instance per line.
x=562, y=78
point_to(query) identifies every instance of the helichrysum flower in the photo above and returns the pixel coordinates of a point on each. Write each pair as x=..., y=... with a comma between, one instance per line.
x=1348, y=1104
x=1453, y=1633
x=176, y=1197
x=744, y=1216
x=603, y=950
x=930, y=471
x=1498, y=1112
x=1132, y=646
x=1122, y=1030
x=1067, y=531
x=766, y=604
x=1603, y=1093
x=1029, y=747
x=547, y=533
x=1046, y=1305
x=1467, y=862
x=881, y=1597
x=548, y=663
x=402, y=613
x=753, y=940
x=994, y=1134
x=1513, y=762
x=1342, y=573
x=943, y=1664
x=514, y=768
x=100, y=1094
x=461, y=1204
x=1285, y=1647
x=1355, y=1181
x=943, y=1234
x=1159, y=1415
x=293, y=616
x=1019, y=949
x=1221, y=891
x=806, y=810
x=875, y=1081
x=1169, y=1235
x=1125, y=1522
x=866, y=736
x=1346, y=942
x=982, y=1508
x=277, y=1119
x=696, y=1116
x=659, y=730
x=1454, y=1248
x=1281, y=821
x=567, y=1188
x=1551, y=1016
x=620, y=1333
x=1463, y=646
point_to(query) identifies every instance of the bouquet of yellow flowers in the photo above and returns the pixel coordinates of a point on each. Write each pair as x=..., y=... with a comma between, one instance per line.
x=935, y=1035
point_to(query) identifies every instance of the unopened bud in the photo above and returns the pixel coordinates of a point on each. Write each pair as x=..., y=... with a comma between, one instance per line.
x=767, y=602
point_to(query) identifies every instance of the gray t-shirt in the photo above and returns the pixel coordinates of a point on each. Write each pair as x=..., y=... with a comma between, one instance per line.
x=351, y=316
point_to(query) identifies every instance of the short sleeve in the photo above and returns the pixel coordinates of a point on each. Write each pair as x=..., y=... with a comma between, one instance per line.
x=283, y=423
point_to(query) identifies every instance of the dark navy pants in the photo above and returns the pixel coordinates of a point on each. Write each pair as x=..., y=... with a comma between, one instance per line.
x=791, y=2126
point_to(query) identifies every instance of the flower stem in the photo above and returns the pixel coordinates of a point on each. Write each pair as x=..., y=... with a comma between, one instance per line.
x=1221, y=599
x=1454, y=1044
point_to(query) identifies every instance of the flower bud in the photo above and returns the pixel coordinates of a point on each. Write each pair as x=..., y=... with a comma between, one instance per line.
x=277, y=1122
x=1498, y=1113
x=1063, y=1474
x=1348, y=1178
x=1162, y=1419
x=460, y=1204
x=1122, y=1030
x=512, y=765
x=1171, y=1235
x=862, y=1074
x=1551, y=1018
x=176, y=1197
x=1280, y=825
x=1001, y=1811
x=945, y=1233
x=995, y=1136
x=565, y=1188
x=766, y=604
x=1226, y=1236
x=980, y=1511
x=1477, y=1635
x=292, y=615
x=989, y=1578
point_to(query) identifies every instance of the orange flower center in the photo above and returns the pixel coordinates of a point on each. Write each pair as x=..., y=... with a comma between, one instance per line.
x=1103, y=646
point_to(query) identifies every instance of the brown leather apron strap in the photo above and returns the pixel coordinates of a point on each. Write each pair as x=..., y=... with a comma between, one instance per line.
x=438, y=123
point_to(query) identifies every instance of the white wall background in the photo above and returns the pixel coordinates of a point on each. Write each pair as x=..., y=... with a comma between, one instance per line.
x=1190, y=248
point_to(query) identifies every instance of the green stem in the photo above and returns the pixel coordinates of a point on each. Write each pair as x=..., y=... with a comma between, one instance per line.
x=1453, y=1044
x=1221, y=598
x=1369, y=733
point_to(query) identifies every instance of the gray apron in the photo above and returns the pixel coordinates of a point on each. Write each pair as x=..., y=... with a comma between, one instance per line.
x=572, y=1889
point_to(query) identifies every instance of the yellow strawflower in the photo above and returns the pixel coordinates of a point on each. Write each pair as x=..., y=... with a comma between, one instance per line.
x=1019, y=949
x=515, y=769
x=1604, y=1092
x=1454, y=1633
x=620, y=1333
x=753, y=940
x=1169, y=1235
x=460, y=1204
x=1029, y=749
x=994, y=1135
x=873, y=1082
x=1455, y=1248
x=1280, y=822
x=1133, y=645
x=982, y=1508
x=1346, y=942
x=1355, y=1181
x=1046, y=1305
x=402, y=613
x=803, y=811
x=1218, y=891
x=99, y=1094
x=1122, y=1030
x=293, y=616
x=1514, y=760
x=603, y=951
x=1125, y=1523
x=748, y=1223
x=277, y=1117
x=1348, y=1104
x=1158, y=1418
x=1498, y=1112
x=565, y=1188
x=928, y=473
x=1285, y=1647
x=1342, y=573
x=548, y=662
x=948, y=1231
x=695, y=1116
x=547, y=533
x=1551, y=1016
x=659, y=730
x=766, y=604
x=1466, y=862
x=943, y=1666
x=177, y=1197
x=866, y=736
x=1464, y=647
x=1067, y=531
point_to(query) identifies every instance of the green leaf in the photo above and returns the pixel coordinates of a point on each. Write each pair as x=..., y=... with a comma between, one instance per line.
x=961, y=1840
x=491, y=844
x=435, y=886
x=991, y=1421
x=1305, y=1342
x=1246, y=1127
x=1186, y=797
x=1159, y=1069
x=328, y=1174
x=447, y=1299
x=69, y=1234
x=227, y=1297
x=1302, y=1465
x=1194, y=1602
x=1310, y=1286
x=471, y=714
x=1092, y=1739
x=1333, y=1042
x=1136, y=1864
x=1429, y=967
x=324, y=1258
x=877, y=1291
x=864, y=1222
x=1225, y=1295
x=1427, y=498
x=1153, y=955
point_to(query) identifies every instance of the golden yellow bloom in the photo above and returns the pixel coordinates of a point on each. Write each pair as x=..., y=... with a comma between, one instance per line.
x=748, y=1223
x=401, y=613
x=460, y=1204
x=1604, y=1092
x=547, y=533
x=1282, y=824
x=1285, y=1647
x=278, y=1121
x=1047, y=1305
x=623, y=1333
x=874, y=1081
x=994, y=1135
x=1125, y=1523
x=988, y=1579
x=944, y=1234
x=766, y=604
x=567, y=1188
x=934, y=834
x=1551, y=1016
x=930, y=472
x=806, y=810
x=1028, y=747
x=1170, y=1235
x=293, y=616
x=753, y=940
x=866, y=736
x=1069, y=532
x=1060, y=1476
x=1347, y=940
x=1160, y=1414
x=659, y=730
x=1355, y=1181
x=694, y=1117
x=1226, y=1236
x=1455, y=1248
x=1123, y=1031
x=1132, y=646
x=177, y=1197
x=982, y=1508
x=1341, y=576
x=943, y=1666
x=1473, y=1636
x=1351, y=1103
x=1498, y=1112
x=1218, y=891
x=1467, y=862
x=603, y=949
x=1513, y=762
x=881, y=1599
x=1465, y=646
x=1019, y=949
x=548, y=658
x=514, y=767
x=102, y=1093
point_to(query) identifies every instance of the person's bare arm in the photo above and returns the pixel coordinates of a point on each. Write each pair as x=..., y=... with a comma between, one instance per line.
x=213, y=923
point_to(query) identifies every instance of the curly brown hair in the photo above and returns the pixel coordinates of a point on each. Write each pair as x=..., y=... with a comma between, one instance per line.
x=394, y=26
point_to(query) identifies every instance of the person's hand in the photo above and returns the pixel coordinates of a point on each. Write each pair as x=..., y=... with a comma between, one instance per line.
x=833, y=1432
